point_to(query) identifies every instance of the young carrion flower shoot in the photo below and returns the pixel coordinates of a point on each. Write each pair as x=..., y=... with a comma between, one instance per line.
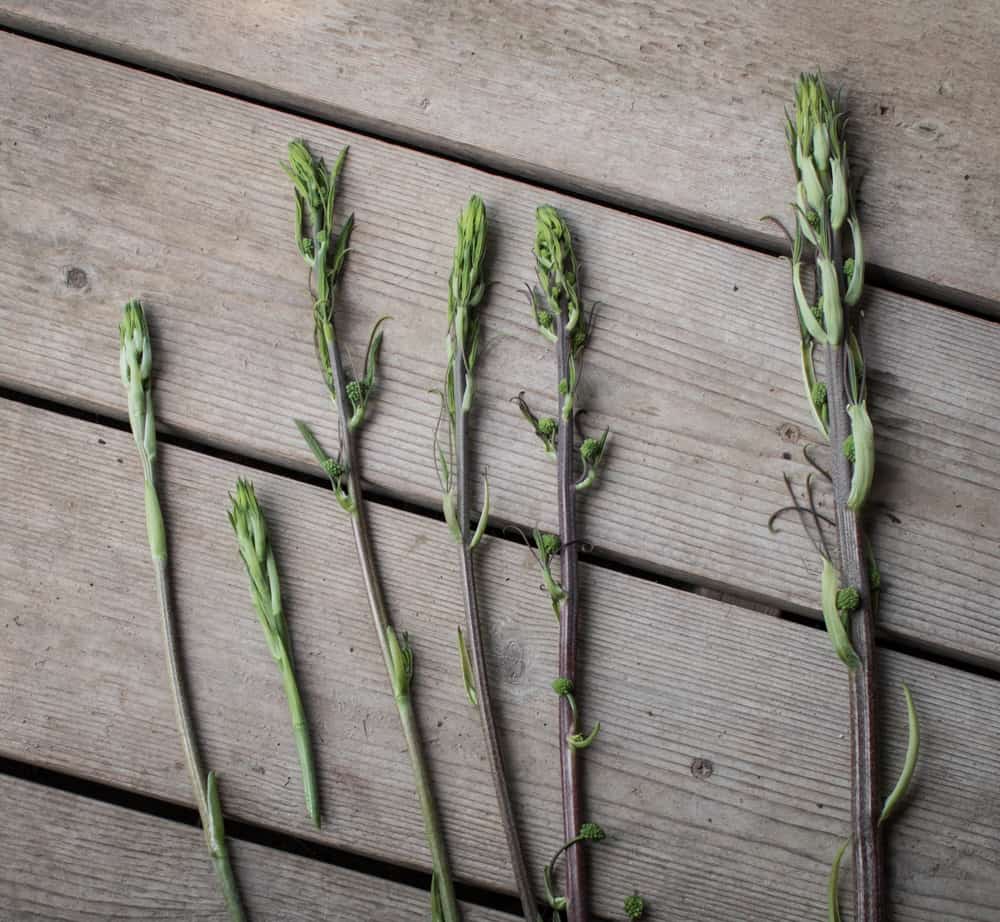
x=557, y=309
x=250, y=527
x=826, y=230
x=324, y=251
x=466, y=290
x=135, y=359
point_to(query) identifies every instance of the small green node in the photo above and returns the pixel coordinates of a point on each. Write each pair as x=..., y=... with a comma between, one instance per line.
x=848, y=599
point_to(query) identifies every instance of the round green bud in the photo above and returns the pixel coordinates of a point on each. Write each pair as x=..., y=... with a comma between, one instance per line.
x=549, y=545
x=848, y=448
x=591, y=832
x=819, y=393
x=848, y=599
x=849, y=269
x=634, y=907
x=589, y=450
x=546, y=426
x=562, y=686
x=334, y=469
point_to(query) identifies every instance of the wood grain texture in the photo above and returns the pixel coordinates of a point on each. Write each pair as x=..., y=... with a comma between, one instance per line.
x=721, y=772
x=68, y=858
x=139, y=186
x=672, y=108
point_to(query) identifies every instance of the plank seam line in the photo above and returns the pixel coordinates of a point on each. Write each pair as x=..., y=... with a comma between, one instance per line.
x=254, y=833
x=886, y=639
x=898, y=283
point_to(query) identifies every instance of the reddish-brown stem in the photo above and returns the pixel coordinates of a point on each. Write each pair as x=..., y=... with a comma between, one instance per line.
x=865, y=801
x=865, y=806
x=577, y=909
x=494, y=750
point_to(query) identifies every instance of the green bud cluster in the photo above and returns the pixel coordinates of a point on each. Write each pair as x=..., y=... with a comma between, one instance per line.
x=547, y=547
x=336, y=471
x=562, y=686
x=315, y=194
x=135, y=359
x=247, y=520
x=135, y=362
x=848, y=599
x=555, y=262
x=591, y=832
x=592, y=454
x=634, y=907
x=545, y=427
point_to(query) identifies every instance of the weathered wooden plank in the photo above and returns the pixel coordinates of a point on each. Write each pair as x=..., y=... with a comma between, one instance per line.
x=673, y=109
x=67, y=858
x=676, y=679
x=136, y=185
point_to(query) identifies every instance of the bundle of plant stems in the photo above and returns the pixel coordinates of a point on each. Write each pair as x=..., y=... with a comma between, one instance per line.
x=250, y=527
x=835, y=379
x=558, y=313
x=136, y=366
x=324, y=252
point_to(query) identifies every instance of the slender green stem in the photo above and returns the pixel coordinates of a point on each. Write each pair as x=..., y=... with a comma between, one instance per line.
x=303, y=745
x=376, y=603
x=214, y=836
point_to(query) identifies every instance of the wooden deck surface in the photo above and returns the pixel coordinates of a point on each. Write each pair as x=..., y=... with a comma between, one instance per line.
x=119, y=179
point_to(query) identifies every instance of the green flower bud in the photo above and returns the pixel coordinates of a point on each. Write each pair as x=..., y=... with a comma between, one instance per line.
x=591, y=832
x=819, y=394
x=848, y=599
x=634, y=907
x=555, y=262
x=590, y=450
x=547, y=427
x=548, y=544
x=848, y=448
x=562, y=686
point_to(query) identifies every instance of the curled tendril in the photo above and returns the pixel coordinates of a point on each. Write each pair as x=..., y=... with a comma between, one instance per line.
x=563, y=687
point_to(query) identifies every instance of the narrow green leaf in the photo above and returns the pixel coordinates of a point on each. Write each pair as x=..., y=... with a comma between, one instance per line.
x=484, y=516
x=832, y=895
x=831, y=617
x=909, y=763
x=467, y=675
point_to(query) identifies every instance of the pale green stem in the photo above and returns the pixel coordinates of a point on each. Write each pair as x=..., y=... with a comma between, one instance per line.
x=376, y=602
x=214, y=837
x=303, y=745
